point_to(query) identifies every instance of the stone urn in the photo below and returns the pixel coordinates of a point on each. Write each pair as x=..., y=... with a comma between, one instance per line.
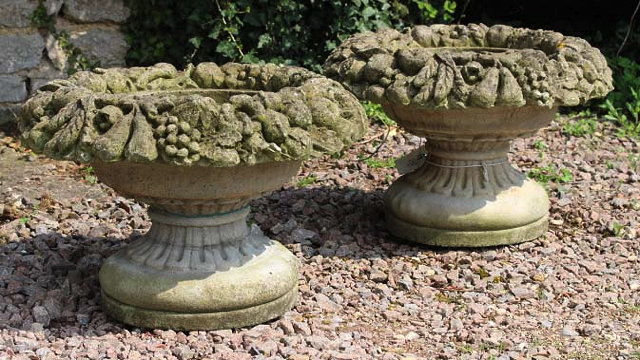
x=469, y=90
x=196, y=146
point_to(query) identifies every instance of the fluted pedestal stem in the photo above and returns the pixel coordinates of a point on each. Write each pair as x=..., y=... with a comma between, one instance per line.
x=203, y=243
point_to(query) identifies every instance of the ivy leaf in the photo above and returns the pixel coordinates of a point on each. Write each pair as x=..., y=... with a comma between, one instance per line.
x=215, y=32
x=227, y=48
x=264, y=40
x=251, y=58
x=450, y=6
x=196, y=42
x=368, y=12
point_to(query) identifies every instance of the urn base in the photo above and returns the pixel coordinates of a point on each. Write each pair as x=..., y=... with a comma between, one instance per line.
x=224, y=318
x=466, y=194
x=453, y=238
x=200, y=266
x=199, y=321
x=199, y=273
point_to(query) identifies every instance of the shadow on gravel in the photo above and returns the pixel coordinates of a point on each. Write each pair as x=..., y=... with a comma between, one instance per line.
x=50, y=281
x=337, y=222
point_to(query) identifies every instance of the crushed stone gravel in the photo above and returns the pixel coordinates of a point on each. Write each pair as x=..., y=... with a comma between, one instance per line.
x=572, y=294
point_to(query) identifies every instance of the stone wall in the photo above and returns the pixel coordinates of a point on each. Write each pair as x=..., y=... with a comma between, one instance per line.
x=31, y=54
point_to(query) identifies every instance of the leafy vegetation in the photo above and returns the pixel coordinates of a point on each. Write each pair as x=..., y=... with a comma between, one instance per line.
x=376, y=114
x=306, y=181
x=616, y=229
x=626, y=77
x=76, y=60
x=550, y=173
x=627, y=117
x=40, y=19
x=380, y=163
x=540, y=145
x=585, y=124
x=281, y=31
x=89, y=175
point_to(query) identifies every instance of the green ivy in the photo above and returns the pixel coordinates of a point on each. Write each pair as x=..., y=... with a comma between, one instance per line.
x=376, y=114
x=47, y=23
x=281, y=31
x=40, y=19
x=438, y=14
x=626, y=78
x=76, y=60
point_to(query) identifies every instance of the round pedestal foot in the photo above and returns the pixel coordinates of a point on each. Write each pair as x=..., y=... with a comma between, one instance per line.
x=257, y=291
x=199, y=273
x=191, y=321
x=453, y=238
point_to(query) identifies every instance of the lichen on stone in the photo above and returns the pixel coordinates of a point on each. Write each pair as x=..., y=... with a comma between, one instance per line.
x=461, y=66
x=206, y=115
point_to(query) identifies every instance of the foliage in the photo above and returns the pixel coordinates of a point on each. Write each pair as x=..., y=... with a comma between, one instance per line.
x=40, y=19
x=76, y=60
x=89, y=175
x=378, y=163
x=306, y=181
x=623, y=104
x=626, y=76
x=376, y=114
x=281, y=31
x=431, y=12
x=550, y=173
x=585, y=124
x=617, y=229
x=628, y=120
x=540, y=145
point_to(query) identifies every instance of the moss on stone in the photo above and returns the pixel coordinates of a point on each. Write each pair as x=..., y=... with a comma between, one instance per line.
x=460, y=66
x=206, y=115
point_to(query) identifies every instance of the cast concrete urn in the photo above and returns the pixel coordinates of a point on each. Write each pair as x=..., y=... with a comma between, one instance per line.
x=197, y=146
x=469, y=90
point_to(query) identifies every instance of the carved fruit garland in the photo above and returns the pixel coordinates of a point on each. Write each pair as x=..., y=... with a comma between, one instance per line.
x=461, y=66
x=206, y=115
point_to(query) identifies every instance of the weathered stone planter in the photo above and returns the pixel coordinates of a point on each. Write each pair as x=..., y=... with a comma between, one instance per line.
x=197, y=146
x=470, y=90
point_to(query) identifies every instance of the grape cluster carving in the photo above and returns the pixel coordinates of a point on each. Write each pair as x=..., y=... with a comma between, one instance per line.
x=460, y=66
x=206, y=115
